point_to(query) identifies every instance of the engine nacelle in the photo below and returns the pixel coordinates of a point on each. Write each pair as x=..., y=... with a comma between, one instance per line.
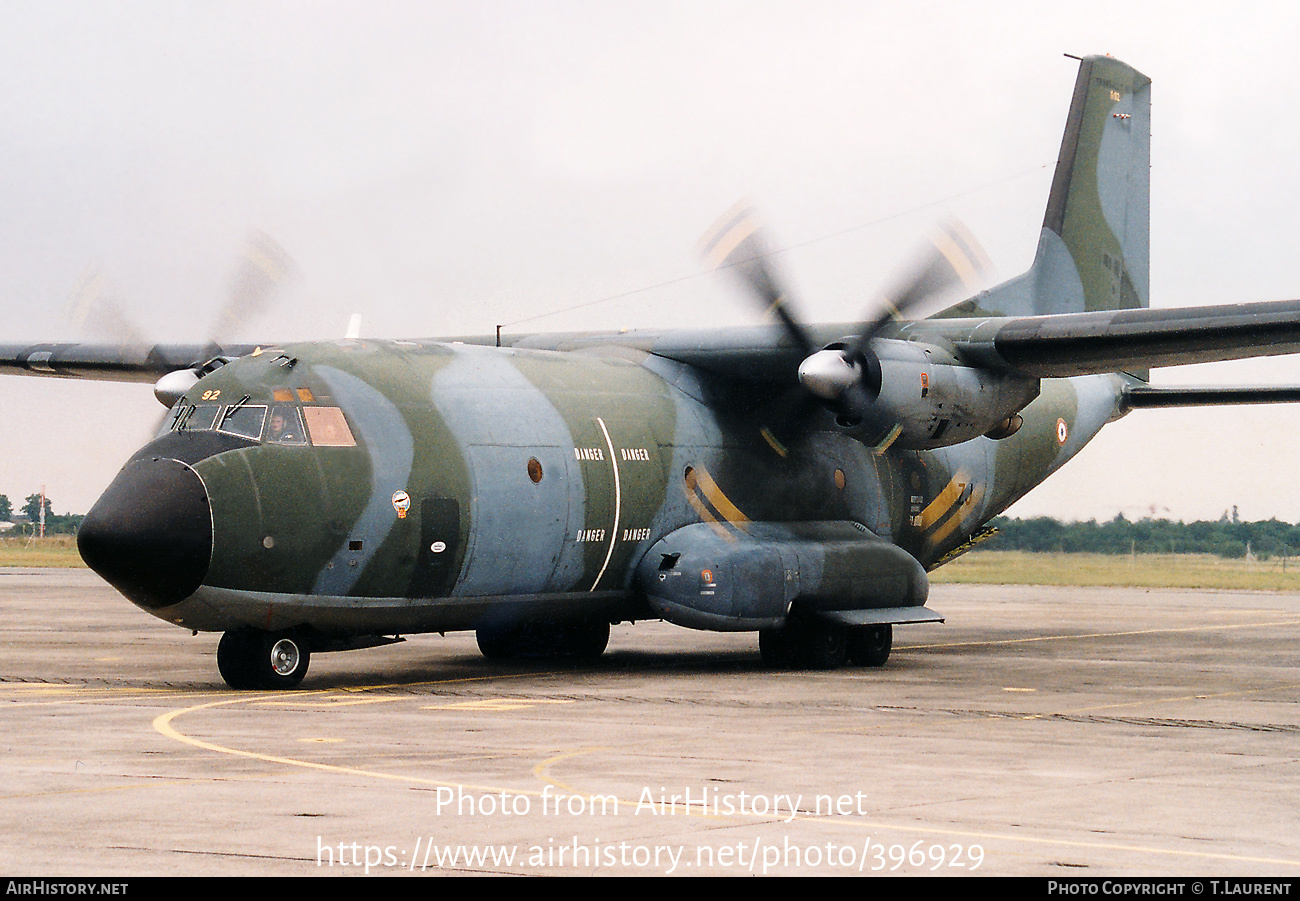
x=704, y=578
x=940, y=400
x=933, y=396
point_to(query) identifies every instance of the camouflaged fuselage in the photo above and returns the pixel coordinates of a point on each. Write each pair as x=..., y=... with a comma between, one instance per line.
x=470, y=484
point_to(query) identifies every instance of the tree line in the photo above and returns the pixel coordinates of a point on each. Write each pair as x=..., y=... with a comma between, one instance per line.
x=31, y=509
x=1226, y=537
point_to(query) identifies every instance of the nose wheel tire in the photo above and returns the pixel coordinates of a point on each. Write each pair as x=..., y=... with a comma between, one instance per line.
x=252, y=659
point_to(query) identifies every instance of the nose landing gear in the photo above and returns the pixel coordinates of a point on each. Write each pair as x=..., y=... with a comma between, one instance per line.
x=252, y=659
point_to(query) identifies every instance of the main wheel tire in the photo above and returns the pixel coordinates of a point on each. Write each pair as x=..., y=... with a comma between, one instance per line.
x=870, y=645
x=585, y=640
x=805, y=642
x=286, y=661
x=498, y=643
x=774, y=646
x=574, y=640
x=822, y=644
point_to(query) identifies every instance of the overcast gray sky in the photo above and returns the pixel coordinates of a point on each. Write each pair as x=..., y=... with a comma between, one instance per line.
x=444, y=167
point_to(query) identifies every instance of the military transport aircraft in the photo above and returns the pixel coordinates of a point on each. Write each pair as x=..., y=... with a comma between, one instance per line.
x=794, y=480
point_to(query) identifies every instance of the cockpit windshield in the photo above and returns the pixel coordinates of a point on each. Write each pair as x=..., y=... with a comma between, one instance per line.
x=193, y=417
x=245, y=420
x=286, y=424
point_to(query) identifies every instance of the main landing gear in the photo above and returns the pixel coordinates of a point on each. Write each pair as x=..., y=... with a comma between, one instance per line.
x=810, y=642
x=251, y=658
x=572, y=640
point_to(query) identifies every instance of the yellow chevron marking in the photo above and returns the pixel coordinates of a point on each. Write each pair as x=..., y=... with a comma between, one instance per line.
x=937, y=508
x=713, y=494
x=947, y=528
x=705, y=514
x=772, y=442
x=497, y=704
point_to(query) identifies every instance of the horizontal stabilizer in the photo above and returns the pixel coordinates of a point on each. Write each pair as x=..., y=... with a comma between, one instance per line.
x=1146, y=397
x=1125, y=340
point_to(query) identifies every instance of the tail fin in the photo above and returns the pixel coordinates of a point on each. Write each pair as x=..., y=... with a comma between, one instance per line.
x=1094, y=250
x=1099, y=208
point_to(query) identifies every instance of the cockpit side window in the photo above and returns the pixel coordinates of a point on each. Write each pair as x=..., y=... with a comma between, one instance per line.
x=285, y=426
x=327, y=427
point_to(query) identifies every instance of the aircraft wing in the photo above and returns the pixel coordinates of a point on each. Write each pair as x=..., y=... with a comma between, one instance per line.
x=110, y=362
x=1054, y=346
x=755, y=353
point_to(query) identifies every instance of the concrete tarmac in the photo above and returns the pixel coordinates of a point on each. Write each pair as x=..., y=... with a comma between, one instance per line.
x=1042, y=731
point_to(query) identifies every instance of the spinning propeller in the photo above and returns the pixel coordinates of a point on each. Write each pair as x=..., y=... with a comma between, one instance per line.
x=264, y=266
x=98, y=314
x=846, y=377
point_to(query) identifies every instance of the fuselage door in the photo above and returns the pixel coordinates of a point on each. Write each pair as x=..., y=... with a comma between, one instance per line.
x=439, y=542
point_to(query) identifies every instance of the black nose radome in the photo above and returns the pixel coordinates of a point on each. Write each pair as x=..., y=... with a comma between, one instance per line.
x=150, y=535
